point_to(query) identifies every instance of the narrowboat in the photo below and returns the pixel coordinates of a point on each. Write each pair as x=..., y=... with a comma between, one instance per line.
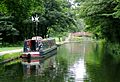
x=36, y=49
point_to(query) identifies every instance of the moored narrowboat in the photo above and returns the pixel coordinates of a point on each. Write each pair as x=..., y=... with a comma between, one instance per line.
x=36, y=49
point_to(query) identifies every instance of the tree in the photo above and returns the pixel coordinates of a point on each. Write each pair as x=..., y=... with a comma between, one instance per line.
x=52, y=14
x=101, y=18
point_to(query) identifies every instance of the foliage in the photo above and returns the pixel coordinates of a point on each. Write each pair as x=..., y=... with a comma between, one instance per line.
x=114, y=50
x=53, y=14
x=102, y=63
x=102, y=18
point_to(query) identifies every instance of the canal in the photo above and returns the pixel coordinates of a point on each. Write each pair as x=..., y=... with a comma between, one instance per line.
x=74, y=62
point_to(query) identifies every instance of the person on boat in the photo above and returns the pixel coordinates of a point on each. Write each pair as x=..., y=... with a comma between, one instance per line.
x=40, y=46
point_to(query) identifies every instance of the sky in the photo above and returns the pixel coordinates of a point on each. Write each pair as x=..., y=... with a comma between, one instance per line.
x=73, y=4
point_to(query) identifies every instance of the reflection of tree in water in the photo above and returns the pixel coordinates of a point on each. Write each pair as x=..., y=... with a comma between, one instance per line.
x=57, y=74
x=51, y=74
x=11, y=73
x=107, y=70
x=14, y=73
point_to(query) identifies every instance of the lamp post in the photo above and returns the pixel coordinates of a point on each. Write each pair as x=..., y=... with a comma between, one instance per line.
x=36, y=20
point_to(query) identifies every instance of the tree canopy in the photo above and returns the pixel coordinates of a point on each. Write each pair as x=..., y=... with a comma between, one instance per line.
x=53, y=14
x=102, y=17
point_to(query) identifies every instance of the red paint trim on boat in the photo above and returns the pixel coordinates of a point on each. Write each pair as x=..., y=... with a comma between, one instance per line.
x=31, y=60
x=35, y=55
x=35, y=60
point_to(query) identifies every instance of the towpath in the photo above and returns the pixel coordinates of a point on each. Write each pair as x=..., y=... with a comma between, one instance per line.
x=10, y=51
x=68, y=38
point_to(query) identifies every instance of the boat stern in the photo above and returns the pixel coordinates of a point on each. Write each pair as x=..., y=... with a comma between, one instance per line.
x=30, y=57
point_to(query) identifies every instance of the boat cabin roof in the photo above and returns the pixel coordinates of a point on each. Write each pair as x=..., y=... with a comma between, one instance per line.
x=37, y=43
x=38, y=38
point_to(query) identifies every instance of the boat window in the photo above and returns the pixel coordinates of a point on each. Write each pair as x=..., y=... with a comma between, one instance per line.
x=27, y=45
x=33, y=45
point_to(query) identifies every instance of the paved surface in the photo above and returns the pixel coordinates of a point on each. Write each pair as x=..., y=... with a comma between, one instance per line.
x=10, y=51
x=68, y=38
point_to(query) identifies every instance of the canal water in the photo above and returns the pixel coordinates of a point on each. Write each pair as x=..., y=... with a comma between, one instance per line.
x=74, y=62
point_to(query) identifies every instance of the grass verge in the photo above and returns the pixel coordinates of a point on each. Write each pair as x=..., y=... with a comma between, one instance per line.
x=9, y=56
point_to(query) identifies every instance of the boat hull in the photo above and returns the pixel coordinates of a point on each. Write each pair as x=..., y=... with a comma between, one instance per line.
x=37, y=57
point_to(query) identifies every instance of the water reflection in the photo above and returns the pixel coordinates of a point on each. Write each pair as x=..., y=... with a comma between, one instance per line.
x=38, y=67
x=76, y=70
x=74, y=62
x=101, y=66
x=11, y=73
x=67, y=66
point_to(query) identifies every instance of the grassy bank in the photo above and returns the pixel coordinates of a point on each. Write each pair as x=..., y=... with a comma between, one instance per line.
x=9, y=56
